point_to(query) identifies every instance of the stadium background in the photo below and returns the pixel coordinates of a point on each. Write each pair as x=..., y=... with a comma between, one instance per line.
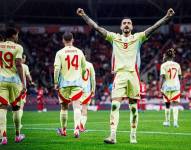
x=42, y=23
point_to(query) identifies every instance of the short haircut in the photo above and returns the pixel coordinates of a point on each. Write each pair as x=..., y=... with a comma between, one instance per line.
x=67, y=36
x=10, y=32
x=125, y=18
x=170, y=53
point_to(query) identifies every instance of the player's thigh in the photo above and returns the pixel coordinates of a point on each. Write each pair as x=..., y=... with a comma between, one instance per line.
x=64, y=95
x=86, y=98
x=175, y=96
x=4, y=94
x=75, y=93
x=167, y=96
x=133, y=88
x=119, y=85
x=23, y=100
x=15, y=92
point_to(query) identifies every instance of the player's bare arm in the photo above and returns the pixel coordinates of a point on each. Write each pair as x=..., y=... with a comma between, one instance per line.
x=19, y=67
x=56, y=75
x=80, y=12
x=29, y=78
x=170, y=13
x=162, y=79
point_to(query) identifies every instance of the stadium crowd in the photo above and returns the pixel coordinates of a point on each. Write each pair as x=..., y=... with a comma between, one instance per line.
x=43, y=47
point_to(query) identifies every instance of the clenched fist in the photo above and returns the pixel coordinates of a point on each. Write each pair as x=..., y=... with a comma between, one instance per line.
x=80, y=12
x=170, y=12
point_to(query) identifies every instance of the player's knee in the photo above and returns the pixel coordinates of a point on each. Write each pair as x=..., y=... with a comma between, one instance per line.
x=64, y=106
x=175, y=103
x=4, y=106
x=84, y=110
x=115, y=105
x=132, y=101
x=15, y=108
x=167, y=105
x=76, y=105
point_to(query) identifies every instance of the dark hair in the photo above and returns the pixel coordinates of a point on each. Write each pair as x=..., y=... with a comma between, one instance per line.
x=67, y=36
x=10, y=32
x=170, y=53
x=125, y=18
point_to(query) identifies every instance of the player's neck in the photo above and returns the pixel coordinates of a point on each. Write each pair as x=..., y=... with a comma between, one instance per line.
x=68, y=44
x=126, y=34
x=170, y=59
x=10, y=39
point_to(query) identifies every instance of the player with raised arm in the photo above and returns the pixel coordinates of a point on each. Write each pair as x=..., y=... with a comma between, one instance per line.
x=170, y=76
x=126, y=46
x=12, y=85
x=89, y=84
x=69, y=67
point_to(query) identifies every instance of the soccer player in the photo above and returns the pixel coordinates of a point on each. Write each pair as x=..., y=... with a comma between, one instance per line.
x=69, y=67
x=12, y=84
x=88, y=92
x=27, y=77
x=170, y=75
x=126, y=47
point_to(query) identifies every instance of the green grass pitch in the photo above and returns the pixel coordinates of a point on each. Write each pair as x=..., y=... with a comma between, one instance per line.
x=40, y=131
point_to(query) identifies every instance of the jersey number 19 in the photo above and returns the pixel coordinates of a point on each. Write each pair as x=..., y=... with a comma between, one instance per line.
x=8, y=58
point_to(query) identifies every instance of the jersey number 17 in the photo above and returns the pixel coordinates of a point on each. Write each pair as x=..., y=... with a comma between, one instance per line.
x=172, y=73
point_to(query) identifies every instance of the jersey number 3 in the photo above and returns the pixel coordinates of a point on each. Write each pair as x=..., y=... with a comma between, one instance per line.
x=72, y=61
x=8, y=58
x=172, y=73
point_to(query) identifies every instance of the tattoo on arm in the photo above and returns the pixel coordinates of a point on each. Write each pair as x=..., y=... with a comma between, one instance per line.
x=158, y=24
x=92, y=23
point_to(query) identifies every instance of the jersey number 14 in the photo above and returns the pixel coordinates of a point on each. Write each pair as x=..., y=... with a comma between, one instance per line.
x=72, y=61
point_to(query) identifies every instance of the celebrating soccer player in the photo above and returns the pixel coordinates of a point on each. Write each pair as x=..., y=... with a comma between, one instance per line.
x=126, y=47
x=69, y=67
x=12, y=85
x=170, y=85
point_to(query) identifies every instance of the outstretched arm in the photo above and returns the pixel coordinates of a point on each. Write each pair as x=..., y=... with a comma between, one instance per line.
x=166, y=18
x=91, y=23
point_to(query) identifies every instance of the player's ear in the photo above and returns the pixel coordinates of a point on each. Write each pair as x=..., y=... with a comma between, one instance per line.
x=121, y=27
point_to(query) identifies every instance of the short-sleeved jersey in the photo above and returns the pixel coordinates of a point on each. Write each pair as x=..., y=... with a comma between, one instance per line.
x=125, y=50
x=170, y=70
x=89, y=82
x=25, y=71
x=9, y=51
x=71, y=64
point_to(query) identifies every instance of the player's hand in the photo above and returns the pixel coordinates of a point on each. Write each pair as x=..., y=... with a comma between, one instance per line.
x=32, y=83
x=170, y=13
x=80, y=12
x=23, y=91
x=93, y=94
x=56, y=87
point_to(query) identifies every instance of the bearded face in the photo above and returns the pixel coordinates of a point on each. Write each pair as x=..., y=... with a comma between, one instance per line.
x=126, y=26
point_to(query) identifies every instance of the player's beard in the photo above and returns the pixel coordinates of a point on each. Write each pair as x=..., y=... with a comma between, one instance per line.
x=126, y=30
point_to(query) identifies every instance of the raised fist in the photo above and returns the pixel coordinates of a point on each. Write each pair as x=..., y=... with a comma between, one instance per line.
x=80, y=12
x=170, y=12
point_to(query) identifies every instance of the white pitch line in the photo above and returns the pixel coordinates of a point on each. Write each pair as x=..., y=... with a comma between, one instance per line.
x=120, y=131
